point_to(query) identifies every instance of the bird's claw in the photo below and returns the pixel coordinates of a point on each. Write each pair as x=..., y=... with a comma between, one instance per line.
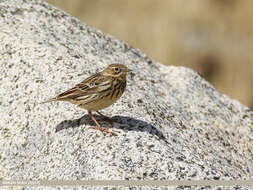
x=103, y=130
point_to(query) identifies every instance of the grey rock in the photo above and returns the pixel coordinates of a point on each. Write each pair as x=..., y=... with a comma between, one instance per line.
x=174, y=124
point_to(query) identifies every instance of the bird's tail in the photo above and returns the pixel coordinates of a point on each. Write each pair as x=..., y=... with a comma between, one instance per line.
x=47, y=101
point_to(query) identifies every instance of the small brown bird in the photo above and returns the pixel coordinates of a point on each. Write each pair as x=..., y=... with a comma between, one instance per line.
x=97, y=92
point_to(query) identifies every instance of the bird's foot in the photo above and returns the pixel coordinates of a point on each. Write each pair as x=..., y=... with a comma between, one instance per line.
x=103, y=130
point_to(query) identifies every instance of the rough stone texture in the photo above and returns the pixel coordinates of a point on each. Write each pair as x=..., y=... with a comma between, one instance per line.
x=175, y=125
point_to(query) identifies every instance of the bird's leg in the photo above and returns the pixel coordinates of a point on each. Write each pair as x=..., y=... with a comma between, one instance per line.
x=98, y=126
x=107, y=119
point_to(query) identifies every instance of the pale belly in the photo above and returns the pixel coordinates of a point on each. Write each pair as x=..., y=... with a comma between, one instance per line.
x=100, y=104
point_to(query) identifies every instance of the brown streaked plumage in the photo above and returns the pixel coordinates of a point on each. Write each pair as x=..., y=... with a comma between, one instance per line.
x=97, y=92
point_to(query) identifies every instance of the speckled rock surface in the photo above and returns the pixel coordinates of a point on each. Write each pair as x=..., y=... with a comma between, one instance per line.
x=174, y=124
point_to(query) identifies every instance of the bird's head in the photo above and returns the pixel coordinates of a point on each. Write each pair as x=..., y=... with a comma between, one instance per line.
x=116, y=70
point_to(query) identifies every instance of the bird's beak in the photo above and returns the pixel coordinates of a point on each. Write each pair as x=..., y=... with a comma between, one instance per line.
x=128, y=70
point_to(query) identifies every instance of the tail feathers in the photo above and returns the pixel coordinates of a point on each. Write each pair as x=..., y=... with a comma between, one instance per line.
x=50, y=100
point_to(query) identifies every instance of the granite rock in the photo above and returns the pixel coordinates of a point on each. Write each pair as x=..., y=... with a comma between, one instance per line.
x=174, y=124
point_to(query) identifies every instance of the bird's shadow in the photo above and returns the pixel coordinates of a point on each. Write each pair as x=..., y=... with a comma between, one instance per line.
x=123, y=123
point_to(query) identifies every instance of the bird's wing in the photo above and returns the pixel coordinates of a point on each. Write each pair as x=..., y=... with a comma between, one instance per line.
x=92, y=85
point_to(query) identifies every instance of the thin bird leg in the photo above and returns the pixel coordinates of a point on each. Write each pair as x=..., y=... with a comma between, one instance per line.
x=98, y=126
x=107, y=119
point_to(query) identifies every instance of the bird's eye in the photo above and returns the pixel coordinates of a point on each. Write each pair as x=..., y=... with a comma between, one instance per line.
x=117, y=70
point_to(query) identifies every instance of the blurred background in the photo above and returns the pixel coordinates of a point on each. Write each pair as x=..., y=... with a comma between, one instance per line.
x=213, y=37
